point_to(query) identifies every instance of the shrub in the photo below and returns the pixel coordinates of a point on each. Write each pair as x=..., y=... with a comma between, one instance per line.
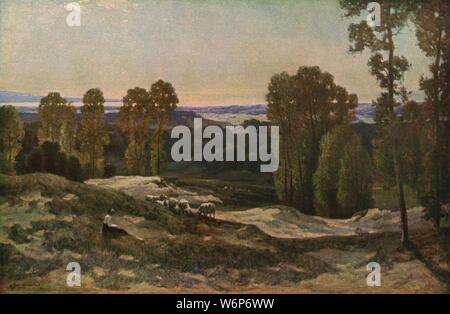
x=342, y=180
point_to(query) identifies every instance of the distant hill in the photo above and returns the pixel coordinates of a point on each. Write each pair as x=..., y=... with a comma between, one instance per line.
x=234, y=109
x=229, y=114
x=14, y=97
x=364, y=113
x=19, y=97
x=29, y=115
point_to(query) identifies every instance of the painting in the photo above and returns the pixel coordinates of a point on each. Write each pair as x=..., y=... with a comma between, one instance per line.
x=224, y=147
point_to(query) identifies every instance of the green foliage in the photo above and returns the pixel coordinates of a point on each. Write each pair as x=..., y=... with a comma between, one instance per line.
x=389, y=70
x=49, y=115
x=305, y=106
x=134, y=122
x=68, y=129
x=343, y=178
x=432, y=22
x=93, y=135
x=49, y=158
x=3, y=181
x=140, y=109
x=73, y=169
x=30, y=141
x=408, y=135
x=355, y=179
x=164, y=100
x=35, y=161
x=158, y=152
x=58, y=122
x=11, y=135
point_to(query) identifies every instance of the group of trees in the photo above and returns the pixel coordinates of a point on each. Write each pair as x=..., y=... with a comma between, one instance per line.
x=58, y=125
x=319, y=151
x=76, y=149
x=412, y=148
x=432, y=20
x=324, y=168
x=49, y=158
x=146, y=151
x=11, y=135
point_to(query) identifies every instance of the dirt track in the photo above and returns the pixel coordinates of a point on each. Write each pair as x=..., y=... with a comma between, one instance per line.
x=285, y=222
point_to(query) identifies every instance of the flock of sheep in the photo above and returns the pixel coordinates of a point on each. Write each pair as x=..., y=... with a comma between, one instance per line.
x=182, y=206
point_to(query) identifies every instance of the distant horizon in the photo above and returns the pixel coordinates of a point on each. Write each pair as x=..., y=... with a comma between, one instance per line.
x=120, y=100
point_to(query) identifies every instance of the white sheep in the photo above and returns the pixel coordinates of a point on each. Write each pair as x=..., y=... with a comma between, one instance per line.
x=171, y=204
x=152, y=198
x=183, y=205
x=207, y=210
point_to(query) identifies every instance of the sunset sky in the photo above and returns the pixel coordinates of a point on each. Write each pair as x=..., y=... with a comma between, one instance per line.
x=213, y=52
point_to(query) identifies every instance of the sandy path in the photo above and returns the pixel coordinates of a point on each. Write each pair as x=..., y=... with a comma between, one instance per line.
x=285, y=222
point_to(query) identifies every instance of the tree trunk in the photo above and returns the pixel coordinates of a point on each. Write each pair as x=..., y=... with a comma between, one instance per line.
x=158, y=153
x=390, y=67
x=285, y=190
x=438, y=144
x=396, y=154
x=401, y=195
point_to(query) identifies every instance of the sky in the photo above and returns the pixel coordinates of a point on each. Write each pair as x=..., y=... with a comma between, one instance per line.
x=213, y=52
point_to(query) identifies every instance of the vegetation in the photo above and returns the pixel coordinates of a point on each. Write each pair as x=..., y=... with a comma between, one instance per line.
x=93, y=135
x=343, y=177
x=49, y=158
x=324, y=166
x=328, y=167
x=432, y=21
x=164, y=101
x=389, y=69
x=58, y=122
x=306, y=106
x=11, y=135
x=134, y=122
x=140, y=109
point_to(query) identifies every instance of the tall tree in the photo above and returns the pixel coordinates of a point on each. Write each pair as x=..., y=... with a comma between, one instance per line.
x=58, y=121
x=164, y=100
x=11, y=135
x=134, y=121
x=93, y=135
x=432, y=21
x=68, y=135
x=49, y=115
x=388, y=69
x=305, y=106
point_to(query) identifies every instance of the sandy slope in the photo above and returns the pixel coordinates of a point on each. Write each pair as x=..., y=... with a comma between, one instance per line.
x=402, y=273
x=140, y=187
x=285, y=222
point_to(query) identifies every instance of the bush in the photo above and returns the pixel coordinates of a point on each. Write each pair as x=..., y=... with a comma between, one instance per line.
x=74, y=170
x=49, y=158
x=34, y=161
x=342, y=180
